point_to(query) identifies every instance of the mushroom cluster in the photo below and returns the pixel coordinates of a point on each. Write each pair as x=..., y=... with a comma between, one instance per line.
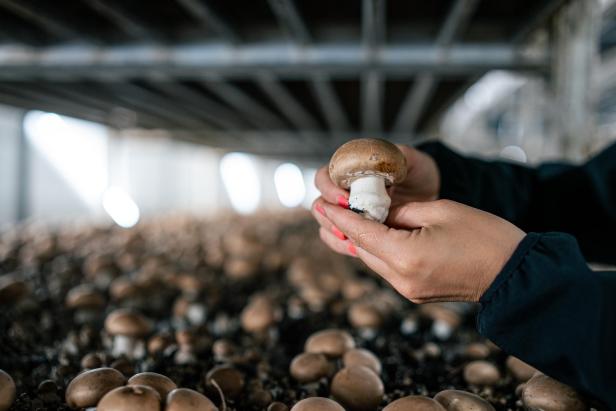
x=235, y=313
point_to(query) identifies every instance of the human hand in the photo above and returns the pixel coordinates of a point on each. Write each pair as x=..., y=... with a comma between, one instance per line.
x=422, y=182
x=428, y=251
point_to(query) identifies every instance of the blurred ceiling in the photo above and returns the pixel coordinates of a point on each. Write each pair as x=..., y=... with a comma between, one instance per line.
x=264, y=76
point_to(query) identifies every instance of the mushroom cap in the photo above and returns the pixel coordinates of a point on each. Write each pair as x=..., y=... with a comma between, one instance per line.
x=481, y=373
x=357, y=388
x=544, y=393
x=456, y=400
x=309, y=367
x=277, y=406
x=520, y=370
x=477, y=351
x=317, y=404
x=12, y=289
x=415, y=403
x=440, y=312
x=84, y=296
x=364, y=315
x=161, y=383
x=130, y=398
x=86, y=389
x=184, y=399
x=367, y=156
x=229, y=379
x=128, y=323
x=331, y=342
x=361, y=356
x=7, y=391
x=259, y=315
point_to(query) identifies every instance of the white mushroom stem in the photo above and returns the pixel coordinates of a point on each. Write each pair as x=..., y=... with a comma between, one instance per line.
x=441, y=329
x=129, y=346
x=369, y=196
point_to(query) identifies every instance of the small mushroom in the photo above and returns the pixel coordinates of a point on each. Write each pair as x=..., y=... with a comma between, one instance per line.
x=259, y=315
x=184, y=399
x=520, y=370
x=317, y=404
x=223, y=349
x=365, y=316
x=277, y=406
x=12, y=289
x=229, y=379
x=159, y=343
x=456, y=400
x=86, y=301
x=161, y=383
x=544, y=393
x=415, y=403
x=310, y=367
x=481, y=373
x=128, y=328
x=130, y=398
x=86, y=389
x=357, y=388
x=367, y=167
x=445, y=320
x=7, y=391
x=91, y=360
x=361, y=356
x=331, y=342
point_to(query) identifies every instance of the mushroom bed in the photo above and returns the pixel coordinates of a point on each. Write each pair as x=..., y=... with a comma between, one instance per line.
x=236, y=313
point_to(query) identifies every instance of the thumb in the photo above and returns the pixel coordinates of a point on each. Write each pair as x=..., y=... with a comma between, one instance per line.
x=413, y=215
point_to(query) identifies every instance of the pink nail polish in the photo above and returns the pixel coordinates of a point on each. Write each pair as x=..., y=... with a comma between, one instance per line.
x=343, y=201
x=352, y=249
x=338, y=233
x=320, y=209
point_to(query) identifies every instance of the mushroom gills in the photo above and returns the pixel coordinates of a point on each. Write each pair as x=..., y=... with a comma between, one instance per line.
x=368, y=196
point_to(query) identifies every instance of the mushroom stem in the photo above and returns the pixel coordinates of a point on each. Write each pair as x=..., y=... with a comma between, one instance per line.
x=369, y=197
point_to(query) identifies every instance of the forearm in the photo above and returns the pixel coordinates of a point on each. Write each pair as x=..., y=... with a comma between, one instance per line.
x=549, y=309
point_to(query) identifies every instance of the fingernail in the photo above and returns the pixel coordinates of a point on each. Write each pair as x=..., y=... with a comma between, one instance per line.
x=343, y=201
x=338, y=233
x=320, y=209
x=352, y=249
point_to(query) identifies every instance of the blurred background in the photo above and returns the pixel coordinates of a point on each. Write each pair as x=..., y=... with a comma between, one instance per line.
x=118, y=110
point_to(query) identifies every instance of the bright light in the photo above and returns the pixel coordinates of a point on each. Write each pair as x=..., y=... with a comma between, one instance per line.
x=120, y=207
x=289, y=183
x=77, y=149
x=311, y=190
x=239, y=175
x=515, y=153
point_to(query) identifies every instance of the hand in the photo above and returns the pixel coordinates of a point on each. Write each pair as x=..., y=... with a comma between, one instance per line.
x=431, y=251
x=422, y=181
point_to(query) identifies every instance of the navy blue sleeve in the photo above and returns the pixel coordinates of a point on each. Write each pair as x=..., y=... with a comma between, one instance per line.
x=549, y=309
x=576, y=199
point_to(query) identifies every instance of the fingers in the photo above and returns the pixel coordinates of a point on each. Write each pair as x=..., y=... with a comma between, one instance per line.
x=418, y=214
x=330, y=191
x=319, y=214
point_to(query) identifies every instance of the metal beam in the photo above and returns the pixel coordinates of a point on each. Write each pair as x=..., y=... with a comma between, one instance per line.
x=255, y=112
x=35, y=17
x=545, y=10
x=130, y=26
x=286, y=103
x=329, y=103
x=291, y=21
x=373, y=22
x=372, y=99
x=204, y=13
x=198, y=61
x=422, y=90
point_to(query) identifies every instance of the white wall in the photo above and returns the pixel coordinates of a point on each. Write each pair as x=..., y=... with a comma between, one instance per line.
x=10, y=134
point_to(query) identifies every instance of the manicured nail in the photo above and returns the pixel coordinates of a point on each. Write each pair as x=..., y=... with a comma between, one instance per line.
x=343, y=201
x=338, y=233
x=320, y=209
x=352, y=249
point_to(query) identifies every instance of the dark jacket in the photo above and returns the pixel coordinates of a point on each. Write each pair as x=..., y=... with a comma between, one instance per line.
x=546, y=306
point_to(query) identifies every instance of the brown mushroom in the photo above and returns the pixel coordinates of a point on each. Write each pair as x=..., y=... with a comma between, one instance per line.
x=91, y=360
x=361, y=356
x=415, y=403
x=456, y=400
x=86, y=302
x=223, y=349
x=12, y=289
x=331, y=342
x=357, y=388
x=520, y=370
x=367, y=167
x=544, y=393
x=229, y=379
x=309, y=367
x=445, y=320
x=161, y=383
x=259, y=315
x=277, y=406
x=86, y=389
x=477, y=351
x=7, y=391
x=127, y=328
x=184, y=399
x=364, y=315
x=481, y=373
x=317, y=404
x=130, y=398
